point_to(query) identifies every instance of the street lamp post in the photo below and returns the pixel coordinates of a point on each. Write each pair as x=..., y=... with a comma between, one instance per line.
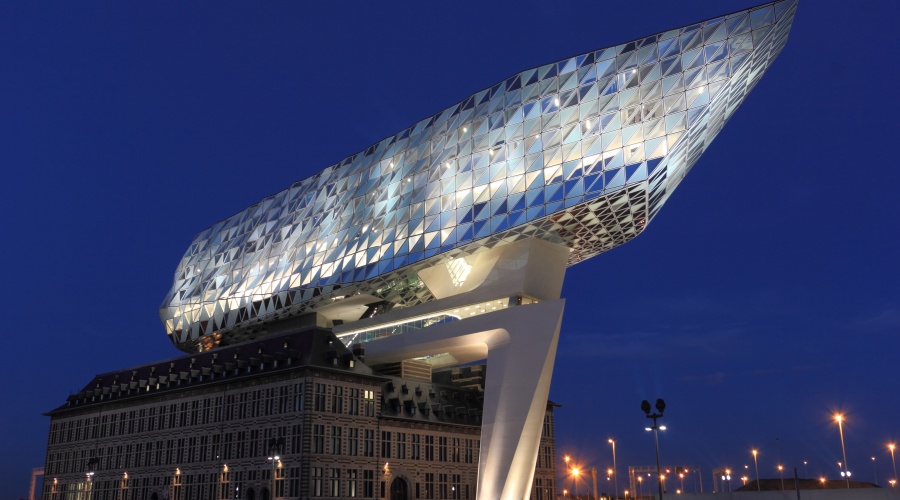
x=726, y=478
x=575, y=473
x=640, y=480
x=874, y=472
x=781, y=473
x=615, y=469
x=891, y=447
x=846, y=473
x=756, y=464
x=275, y=446
x=660, y=408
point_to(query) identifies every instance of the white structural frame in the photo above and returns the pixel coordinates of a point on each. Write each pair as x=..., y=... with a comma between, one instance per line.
x=519, y=344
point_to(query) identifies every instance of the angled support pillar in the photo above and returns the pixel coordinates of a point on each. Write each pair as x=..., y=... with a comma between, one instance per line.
x=519, y=344
x=515, y=401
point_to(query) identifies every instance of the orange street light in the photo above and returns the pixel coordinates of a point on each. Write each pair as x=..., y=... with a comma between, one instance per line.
x=846, y=473
x=756, y=464
x=891, y=447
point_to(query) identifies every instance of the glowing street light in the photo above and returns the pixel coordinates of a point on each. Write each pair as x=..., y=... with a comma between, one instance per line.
x=846, y=473
x=681, y=476
x=575, y=473
x=756, y=464
x=874, y=472
x=640, y=486
x=891, y=447
x=660, y=408
x=615, y=468
x=744, y=480
x=781, y=472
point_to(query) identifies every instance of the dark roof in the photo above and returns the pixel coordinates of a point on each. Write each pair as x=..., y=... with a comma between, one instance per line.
x=313, y=347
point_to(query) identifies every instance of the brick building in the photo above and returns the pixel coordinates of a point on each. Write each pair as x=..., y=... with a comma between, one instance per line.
x=298, y=413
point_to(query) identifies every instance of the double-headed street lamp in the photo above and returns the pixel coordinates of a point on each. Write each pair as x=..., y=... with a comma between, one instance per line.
x=846, y=472
x=660, y=408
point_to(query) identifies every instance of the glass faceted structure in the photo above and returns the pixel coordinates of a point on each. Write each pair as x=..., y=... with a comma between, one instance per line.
x=582, y=152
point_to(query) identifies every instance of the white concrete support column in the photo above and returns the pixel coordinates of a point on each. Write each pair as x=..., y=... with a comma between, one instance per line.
x=519, y=344
x=515, y=401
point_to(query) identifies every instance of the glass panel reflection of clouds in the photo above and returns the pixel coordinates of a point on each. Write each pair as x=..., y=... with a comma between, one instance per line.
x=583, y=152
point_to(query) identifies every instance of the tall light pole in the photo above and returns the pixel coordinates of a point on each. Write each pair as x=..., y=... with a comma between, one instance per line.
x=275, y=447
x=874, y=471
x=660, y=408
x=640, y=486
x=756, y=464
x=781, y=473
x=615, y=469
x=567, y=458
x=840, y=420
x=891, y=447
x=575, y=473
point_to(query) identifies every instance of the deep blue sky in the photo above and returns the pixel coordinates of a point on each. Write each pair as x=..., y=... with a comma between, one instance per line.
x=763, y=297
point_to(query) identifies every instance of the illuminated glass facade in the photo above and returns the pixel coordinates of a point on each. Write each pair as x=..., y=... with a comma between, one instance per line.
x=582, y=152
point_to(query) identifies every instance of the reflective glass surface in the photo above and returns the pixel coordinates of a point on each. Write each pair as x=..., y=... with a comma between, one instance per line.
x=583, y=152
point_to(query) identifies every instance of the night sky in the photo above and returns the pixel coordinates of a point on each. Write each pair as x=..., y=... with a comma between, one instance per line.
x=762, y=298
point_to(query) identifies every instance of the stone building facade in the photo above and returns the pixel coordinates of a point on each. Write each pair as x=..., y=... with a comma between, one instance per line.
x=297, y=414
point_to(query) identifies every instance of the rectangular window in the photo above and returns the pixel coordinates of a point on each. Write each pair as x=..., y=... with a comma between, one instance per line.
x=385, y=444
x=442, y=486
x=429, y=485
x=318, y=439
x=316, y=482
x=353, y=441
x=335, y=440
x=351, y=483
x=369, y=443
x=401, y=445
x=335, y=487
x=442, y=448
x=319, y=399
x=369, y=483
x=337, y=399
x=354, y=402
x=455, y=487
x=429, y=448
x=415, y=447
x=369, y=403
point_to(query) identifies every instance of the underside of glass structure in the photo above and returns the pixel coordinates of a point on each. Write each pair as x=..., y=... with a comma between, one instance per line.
x=582, y=152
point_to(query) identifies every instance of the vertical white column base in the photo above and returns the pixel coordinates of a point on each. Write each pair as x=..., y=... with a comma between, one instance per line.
x=518, y=383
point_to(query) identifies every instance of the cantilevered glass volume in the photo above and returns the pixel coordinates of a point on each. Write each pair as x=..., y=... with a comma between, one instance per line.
x=582, y=152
